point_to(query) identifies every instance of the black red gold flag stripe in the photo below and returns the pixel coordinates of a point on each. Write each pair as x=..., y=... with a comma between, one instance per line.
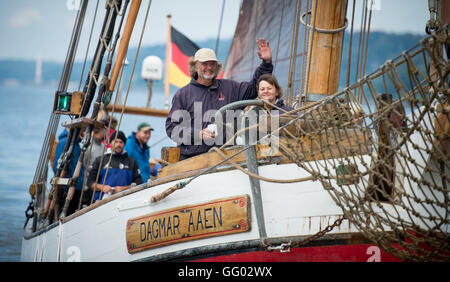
x=182, y=49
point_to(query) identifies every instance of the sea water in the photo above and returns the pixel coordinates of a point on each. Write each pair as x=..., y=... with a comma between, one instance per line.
x=24, y=116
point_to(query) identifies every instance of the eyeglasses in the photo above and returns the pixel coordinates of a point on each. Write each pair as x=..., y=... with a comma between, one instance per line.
x=209, y=64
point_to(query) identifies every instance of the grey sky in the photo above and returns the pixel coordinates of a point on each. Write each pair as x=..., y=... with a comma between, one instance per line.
x=30, y=28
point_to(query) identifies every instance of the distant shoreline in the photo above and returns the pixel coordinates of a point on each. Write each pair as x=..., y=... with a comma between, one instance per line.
x=15, y=72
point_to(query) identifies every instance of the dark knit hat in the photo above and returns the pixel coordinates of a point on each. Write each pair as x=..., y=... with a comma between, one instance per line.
x=120, y=135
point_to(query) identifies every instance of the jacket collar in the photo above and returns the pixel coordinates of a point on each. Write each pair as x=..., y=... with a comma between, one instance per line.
x=144, y=146
x=279, y=102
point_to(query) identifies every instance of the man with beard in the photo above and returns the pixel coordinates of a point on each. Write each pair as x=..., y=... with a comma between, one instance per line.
x=194, y=105
x=137, y=148
x=117, y=170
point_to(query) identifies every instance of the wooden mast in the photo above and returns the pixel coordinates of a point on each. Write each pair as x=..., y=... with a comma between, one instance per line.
x=118, y=64
x=444, y=12
x=168, y=60
x=123, y=47
x=325, y=48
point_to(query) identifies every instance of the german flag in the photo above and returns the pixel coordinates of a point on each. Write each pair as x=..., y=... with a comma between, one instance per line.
x=182, y=49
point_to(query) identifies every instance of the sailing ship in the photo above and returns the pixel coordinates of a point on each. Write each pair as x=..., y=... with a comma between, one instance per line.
x=360, y=174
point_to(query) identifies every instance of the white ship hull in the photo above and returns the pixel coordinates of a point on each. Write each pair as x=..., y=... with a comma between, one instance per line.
x=290, y=211
x=297, y=209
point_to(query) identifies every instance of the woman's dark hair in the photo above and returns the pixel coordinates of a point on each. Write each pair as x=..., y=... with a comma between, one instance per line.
x=271, y=80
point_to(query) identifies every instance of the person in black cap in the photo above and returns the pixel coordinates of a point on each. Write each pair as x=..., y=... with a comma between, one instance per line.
x=121, y=172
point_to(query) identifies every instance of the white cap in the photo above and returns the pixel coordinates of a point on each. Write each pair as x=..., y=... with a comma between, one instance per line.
x=204, y=55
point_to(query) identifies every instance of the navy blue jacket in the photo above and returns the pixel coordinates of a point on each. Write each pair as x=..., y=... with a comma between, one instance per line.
x=280, y=103
x=213, y=97
x=122, y=171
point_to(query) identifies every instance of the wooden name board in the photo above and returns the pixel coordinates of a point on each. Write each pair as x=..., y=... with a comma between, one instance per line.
x=214, y=218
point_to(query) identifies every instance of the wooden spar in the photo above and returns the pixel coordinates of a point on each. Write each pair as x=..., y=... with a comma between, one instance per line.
x=138, y=110
x=168, y=61
x=325, y=49
x=124, y=41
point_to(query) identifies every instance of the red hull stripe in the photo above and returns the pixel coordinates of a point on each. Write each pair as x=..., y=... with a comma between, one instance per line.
x=333, y=253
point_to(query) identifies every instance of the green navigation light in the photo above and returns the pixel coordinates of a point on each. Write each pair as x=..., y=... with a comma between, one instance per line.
x=63, y=101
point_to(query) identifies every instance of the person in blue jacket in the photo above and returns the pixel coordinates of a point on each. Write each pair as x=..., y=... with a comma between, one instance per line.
x=137, y=148
x=62, y=139
x=118, y=171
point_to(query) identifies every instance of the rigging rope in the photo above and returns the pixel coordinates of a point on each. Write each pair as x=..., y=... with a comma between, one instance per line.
x=394, y=147
x=42, y=166
x=220, y=27
x=349, y=59
x=110, y=51
x=383, y=157
x=54, y=118
x=279, y=36
x=367, y=40
x=298, y=102
x=129, y=83
x=88, y=46
x=89, y=90
x=384, y=161
x=293, y=52
x=305, y=90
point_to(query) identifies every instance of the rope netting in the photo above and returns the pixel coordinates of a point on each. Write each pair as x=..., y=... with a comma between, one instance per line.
x=381, y=149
